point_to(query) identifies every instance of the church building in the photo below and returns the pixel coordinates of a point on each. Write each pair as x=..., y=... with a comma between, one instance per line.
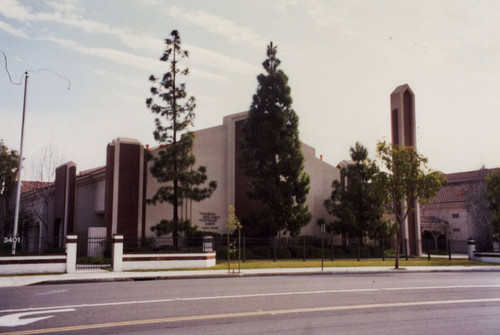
x=112, y=199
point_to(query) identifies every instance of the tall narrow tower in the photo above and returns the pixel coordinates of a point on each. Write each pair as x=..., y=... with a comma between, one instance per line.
x=404, y=133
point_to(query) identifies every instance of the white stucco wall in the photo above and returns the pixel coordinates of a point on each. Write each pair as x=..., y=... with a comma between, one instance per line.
x=458, y=227
x=214, y=149
x=167, y=261
x=210, y=150
x=322, y=175
x=33, y=264
x=87, y=196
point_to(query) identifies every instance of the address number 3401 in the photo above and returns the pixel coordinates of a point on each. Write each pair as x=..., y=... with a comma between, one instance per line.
x=11, y=239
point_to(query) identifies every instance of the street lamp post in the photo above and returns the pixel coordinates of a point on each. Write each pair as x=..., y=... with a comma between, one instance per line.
x=20, y=166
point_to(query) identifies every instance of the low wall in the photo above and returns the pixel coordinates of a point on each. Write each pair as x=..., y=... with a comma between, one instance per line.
x=167, y=261
x=490, y=257
x=32, y=264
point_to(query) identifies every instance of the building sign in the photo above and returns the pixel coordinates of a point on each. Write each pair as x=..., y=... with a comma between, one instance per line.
x=209, y=220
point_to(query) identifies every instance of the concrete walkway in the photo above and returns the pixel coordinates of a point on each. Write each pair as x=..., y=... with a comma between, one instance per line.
x=103, y=276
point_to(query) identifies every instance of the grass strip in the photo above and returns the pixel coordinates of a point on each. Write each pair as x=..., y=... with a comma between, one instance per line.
x=269, y=264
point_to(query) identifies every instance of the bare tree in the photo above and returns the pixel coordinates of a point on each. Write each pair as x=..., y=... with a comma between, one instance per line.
x=477, y=204
x=437, y=227
x=39, y=191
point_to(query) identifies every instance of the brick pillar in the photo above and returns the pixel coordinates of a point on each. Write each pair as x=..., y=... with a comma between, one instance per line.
x=125, y=188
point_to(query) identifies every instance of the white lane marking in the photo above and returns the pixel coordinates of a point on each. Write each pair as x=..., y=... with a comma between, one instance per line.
x=255, y=295
x=13, y=320
x=52, y=292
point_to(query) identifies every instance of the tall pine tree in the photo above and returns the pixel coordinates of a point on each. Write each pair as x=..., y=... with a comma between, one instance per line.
x=271, y=154
x=173, y=166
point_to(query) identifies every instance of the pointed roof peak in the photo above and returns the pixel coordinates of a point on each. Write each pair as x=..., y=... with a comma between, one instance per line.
x=401, y=89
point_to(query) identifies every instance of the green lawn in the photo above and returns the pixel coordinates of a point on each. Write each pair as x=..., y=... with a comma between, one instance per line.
x=269, y=264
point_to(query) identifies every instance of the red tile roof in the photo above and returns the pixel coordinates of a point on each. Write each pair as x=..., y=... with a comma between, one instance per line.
x=453, y=192
x=28, y=186
x=459, y=186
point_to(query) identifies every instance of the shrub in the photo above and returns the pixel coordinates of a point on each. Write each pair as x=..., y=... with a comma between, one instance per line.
x=351, y=251
x=377, y=252
x=296, y=251
x=364, y=251
x=93, y=260
x=221, y=252
x=312, y=240
x=390, y=253
x=261, y=253
x=313, y=252
x=283, y=253
x=247, y=252
x=163, y=248
x=338, y=252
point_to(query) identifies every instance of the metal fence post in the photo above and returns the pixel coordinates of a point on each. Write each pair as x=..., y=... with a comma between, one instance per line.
x=406, y=248
x=322, y=240
x=359, y=251
x=383, y=250
x=449, y=249
x=333, y=251
x=428, y=250
x=304, y=250
x=244, y=250
x=274, y=250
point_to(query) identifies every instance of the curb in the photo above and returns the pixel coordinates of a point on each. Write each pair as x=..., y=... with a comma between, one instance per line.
x=262, y=274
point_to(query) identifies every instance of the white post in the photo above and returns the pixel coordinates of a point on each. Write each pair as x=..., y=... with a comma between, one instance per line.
x=117, y=253
x=71, y=253
x=471, y=247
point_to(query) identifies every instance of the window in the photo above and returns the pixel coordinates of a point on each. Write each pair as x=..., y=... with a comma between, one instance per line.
x=455, y=215
x=456, y=230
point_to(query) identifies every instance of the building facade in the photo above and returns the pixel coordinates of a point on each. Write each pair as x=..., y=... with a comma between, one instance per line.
x=112, y=199
x=460, y=211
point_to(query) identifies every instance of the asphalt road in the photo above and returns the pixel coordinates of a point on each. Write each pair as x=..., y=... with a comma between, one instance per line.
x=397, y=303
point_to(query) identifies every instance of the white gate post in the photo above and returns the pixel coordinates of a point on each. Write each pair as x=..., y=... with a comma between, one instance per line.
x=471, y=247
x=117, y=253
x=71, y=253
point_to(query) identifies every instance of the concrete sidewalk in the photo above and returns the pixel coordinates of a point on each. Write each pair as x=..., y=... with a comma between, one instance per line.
x=105, y=276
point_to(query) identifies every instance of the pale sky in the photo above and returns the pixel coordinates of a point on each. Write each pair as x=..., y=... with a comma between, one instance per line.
x=343, y=59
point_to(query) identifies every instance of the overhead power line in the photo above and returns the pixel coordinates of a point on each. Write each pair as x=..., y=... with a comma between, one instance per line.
x=31, y=71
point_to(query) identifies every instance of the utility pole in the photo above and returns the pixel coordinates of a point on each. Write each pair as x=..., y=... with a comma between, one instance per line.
x=18, y=189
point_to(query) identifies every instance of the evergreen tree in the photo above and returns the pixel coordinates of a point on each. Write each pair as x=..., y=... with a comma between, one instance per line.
x=271, y=154
x=173, y=166
x=493, y=197
x=355, y=203
x=9, y=160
